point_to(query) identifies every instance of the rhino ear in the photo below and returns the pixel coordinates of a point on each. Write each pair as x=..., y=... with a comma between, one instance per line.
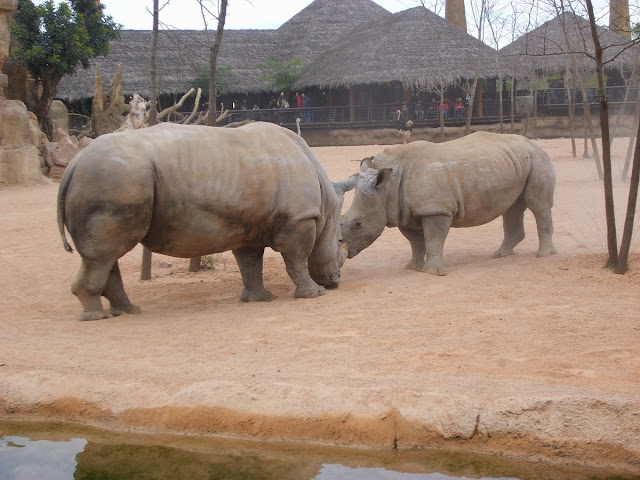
x=384, y=174
x=346, y=185
x=366, y=163
x=375, y=179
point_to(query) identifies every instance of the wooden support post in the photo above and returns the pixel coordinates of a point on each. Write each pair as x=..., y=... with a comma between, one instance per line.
x=352, y=103
x=194, y=264
x=478, y=99
x=145, y=272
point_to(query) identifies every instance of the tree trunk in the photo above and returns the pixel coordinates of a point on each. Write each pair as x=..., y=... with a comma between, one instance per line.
x=513, y=104
x=588, y=124
x=213, y=64
x=572, y=121
x=441, y=113
x=467, y=124
x=500, y=103
x=627, y=233
x=41, y=106
x=612, y=240
x=535, y=112
x=632, y=140
x=153, y=101
x=145, y=273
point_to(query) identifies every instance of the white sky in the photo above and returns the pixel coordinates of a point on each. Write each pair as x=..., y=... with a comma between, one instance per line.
x=185, y=14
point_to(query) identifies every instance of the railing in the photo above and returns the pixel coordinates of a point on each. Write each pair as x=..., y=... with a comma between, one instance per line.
x=550, y=102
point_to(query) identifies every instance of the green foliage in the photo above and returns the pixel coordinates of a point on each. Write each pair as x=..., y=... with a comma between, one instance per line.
x=53, y=42
x=282, y=74
x=225, y=77
x=208, y=262
x=635, y=31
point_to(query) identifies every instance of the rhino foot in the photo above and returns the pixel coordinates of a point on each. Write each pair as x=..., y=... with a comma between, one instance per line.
x=503, y=253
x=546, y=252
x=262, y=295
x=120, y=309
x=95, y=315
x=417, y=266
x=310, y=292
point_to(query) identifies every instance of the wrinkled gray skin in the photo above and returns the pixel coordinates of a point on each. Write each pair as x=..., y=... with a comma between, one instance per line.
x=187, y=191
x=425, y=188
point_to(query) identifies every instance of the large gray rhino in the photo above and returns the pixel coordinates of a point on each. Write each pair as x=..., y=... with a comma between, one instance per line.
x=187, y=191
x=425, y=188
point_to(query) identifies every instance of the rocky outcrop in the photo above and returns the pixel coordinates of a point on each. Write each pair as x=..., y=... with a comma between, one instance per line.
x=20, y=137
x=20, y=144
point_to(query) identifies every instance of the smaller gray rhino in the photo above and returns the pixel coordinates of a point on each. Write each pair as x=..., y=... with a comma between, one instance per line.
x=425, y=188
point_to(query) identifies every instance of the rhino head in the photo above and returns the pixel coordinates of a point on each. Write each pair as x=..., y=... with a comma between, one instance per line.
x=367, y=217
x=330, y=251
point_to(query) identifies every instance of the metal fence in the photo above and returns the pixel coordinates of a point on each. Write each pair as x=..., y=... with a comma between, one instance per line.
x=550, y=102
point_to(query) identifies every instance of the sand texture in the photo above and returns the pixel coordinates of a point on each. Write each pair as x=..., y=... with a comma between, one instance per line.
x=537, y=358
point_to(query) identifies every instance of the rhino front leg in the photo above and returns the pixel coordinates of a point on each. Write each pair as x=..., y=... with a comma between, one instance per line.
x=513, y=227
x=250, y=261
x=435, y=228
x=114, y=292
x=416, y=239
x=295, y=244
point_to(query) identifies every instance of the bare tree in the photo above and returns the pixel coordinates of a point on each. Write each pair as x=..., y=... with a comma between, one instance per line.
x=216, y=9
x=497, y=23
x=145, y=273
x=627, y=232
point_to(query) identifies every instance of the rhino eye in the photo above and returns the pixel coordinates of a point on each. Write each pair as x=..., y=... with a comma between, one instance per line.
x=357, y=224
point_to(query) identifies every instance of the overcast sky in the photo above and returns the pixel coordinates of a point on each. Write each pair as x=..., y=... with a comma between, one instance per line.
x=185, y=14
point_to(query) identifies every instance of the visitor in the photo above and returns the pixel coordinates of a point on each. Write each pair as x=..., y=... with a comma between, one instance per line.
x=459, y=109
x=306, y=108
x=419, y=111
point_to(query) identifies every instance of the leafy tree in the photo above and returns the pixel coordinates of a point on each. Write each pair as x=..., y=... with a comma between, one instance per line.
x=53, y=42
x=282, y=74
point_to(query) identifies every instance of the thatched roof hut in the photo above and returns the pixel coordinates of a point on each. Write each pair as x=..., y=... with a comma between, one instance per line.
x=179, y=52
x=548, y=49
x=415, y=46
x=320, y=25
x=306, y=36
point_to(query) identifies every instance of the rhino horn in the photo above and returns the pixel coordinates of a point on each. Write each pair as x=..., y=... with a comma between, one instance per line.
x=346, y=185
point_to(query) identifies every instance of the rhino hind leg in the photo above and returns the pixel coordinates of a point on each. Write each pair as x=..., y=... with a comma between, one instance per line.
x=295, y=244
x=544, y=223
x=417, y=242
x=513, y=227
x=114, y=292
x=435, y=228
x=88, y=286
x=250, y=263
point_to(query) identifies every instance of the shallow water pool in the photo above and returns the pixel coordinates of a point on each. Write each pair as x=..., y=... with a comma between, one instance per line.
x=63, y=452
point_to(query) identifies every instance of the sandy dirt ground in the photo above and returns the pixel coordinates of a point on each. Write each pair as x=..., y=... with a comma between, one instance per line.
x=537, y=358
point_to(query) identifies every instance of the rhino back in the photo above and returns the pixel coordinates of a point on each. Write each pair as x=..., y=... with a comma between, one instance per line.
x=474, y=179
x=213, y=189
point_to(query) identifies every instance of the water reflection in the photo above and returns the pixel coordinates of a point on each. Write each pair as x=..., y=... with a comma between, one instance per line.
x=25, y=459
x=332, y=472
x=63, y=452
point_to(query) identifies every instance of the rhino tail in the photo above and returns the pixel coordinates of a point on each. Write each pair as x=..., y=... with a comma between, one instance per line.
x=62, y=194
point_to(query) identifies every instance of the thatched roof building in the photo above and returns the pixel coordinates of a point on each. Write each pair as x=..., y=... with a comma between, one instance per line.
x=548, y=49
x=415, y=46
x=306, y=36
